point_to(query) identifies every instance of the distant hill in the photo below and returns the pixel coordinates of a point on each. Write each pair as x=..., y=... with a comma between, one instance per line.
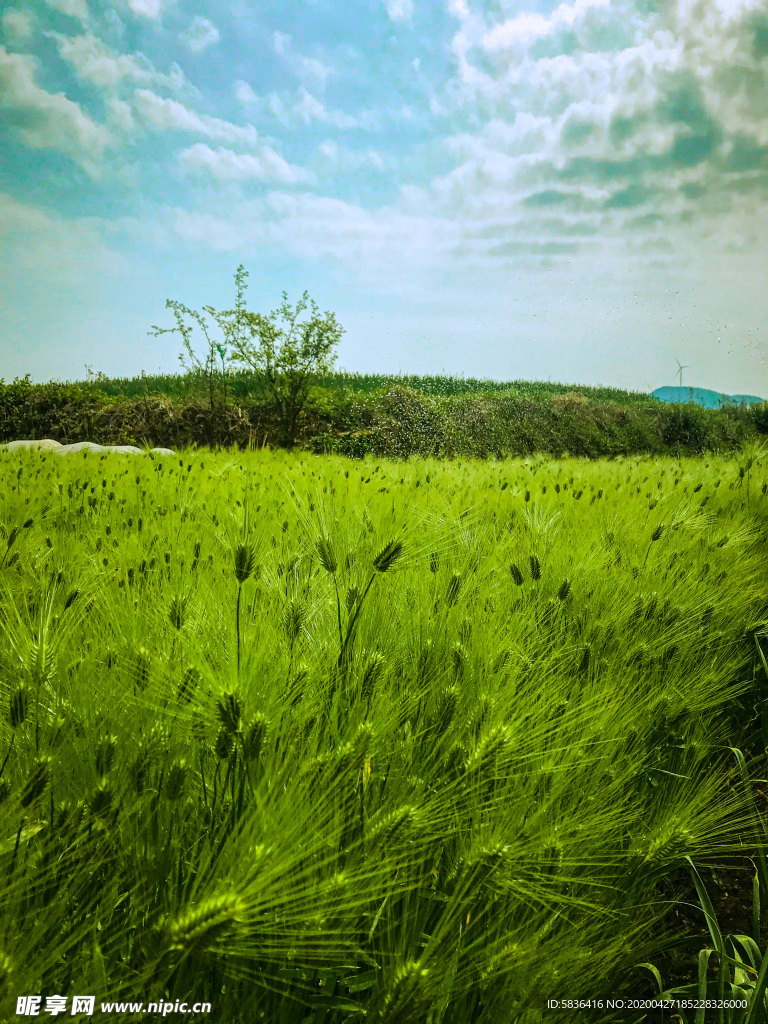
x=701, y=396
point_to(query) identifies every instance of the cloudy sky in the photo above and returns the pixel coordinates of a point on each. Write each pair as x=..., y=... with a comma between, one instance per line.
x=572, y=191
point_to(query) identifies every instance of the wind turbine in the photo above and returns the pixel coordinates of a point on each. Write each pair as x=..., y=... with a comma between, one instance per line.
x=680, y=368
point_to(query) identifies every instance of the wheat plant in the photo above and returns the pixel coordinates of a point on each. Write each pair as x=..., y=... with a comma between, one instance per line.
x=327, y=740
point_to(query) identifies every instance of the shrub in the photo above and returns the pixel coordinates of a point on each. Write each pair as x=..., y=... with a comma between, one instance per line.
x=286, y=357
x=759, y=415
x=685, y=428
x=38, y=410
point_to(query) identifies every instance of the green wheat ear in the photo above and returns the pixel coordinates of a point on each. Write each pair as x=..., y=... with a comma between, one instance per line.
x=223, y=745
x=209, y=923
x=389, y=827
x=229, y=711
x=102, y=798
x=493, y=743
x=293, y=619
x=327, y=555
x=17, y=710
x=105, y=755
x=374, y=667
x=177, y=612
x=388, y=555
x=253, y=740
x=6, y=974
x=39, y=778
x=408, y=998
x=142, y=667
x=448, y=700
x=245, y=561
x=454, y=586
x=176, y=779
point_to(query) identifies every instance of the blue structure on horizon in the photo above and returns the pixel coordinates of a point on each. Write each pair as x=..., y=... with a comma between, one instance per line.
x=702, y=396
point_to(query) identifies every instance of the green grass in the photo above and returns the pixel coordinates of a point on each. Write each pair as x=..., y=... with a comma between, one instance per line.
x=243, y=383
x=329, y=741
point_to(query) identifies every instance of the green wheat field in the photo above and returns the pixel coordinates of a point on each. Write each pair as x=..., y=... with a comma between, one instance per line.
x=326, y=741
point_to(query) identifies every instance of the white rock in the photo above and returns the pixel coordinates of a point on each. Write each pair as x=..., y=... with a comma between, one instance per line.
x=47, y=444
x=79, y=446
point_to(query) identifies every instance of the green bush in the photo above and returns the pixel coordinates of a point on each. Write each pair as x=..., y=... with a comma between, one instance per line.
x=395, y=421
x=685, y=428
x=760, y=417
x=38, y=410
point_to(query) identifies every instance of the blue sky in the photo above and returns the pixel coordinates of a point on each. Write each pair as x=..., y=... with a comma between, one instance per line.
x=572, y=191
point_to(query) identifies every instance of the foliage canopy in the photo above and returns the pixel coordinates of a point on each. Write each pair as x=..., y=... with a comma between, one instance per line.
x=286, y=353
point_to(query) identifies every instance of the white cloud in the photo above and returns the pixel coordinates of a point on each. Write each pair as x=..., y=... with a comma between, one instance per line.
x=399, y=10
x=304, y=68
x=303, y=108
x=375, y=244
x=527, y=27
x=151, y=9
x=94, y=62
x=201, y=34
x=281, y=43
x=266, y=165
x=459, y=9
x=575, y=121
x=602, y=120
x=170, y=115
x=120, y=114
x=522, y=30
x=344, y=159
x=43, y=120
x=37, y=241
x=17, y=25
x=244, y=94
x=308, y=109
x=77, y=9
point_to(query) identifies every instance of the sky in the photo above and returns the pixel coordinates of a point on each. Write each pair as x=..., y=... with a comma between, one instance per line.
x=572, y=191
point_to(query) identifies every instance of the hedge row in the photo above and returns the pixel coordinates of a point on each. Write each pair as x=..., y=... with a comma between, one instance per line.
x=396, y=422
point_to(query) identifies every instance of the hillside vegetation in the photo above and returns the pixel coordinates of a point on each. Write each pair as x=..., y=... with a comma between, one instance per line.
x=353, y=415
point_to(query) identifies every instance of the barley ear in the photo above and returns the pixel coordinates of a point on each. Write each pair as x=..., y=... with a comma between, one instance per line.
x=388, y=555
x=213, y=920
x=327, y=555
x=229, y=711
x=245, y=561
x=17, y=710
x=37, y=781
